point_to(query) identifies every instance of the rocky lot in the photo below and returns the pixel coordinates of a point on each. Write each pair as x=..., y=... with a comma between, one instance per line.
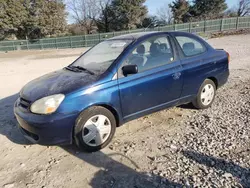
x=179, y=147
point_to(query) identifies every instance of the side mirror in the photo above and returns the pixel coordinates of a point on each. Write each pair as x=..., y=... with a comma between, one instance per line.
x=129, y=69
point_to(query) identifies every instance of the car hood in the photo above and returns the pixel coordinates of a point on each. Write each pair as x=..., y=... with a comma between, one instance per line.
x=62, y=81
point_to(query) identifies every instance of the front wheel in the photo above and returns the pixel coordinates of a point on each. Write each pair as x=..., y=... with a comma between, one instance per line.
x=206, y=95
x=95, y=128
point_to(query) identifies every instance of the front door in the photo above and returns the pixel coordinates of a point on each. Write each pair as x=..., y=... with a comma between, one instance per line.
x=157, y=84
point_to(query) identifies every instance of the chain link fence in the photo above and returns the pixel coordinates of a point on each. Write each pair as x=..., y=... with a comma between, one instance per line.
x=207, y=26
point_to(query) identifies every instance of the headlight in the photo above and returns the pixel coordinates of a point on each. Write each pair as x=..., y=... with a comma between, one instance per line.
x=47, y=105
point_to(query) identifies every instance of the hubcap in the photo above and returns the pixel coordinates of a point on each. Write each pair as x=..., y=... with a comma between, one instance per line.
x=207, y=94
x=96, y=130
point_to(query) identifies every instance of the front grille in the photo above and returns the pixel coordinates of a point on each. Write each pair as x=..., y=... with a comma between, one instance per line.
x=24, y=103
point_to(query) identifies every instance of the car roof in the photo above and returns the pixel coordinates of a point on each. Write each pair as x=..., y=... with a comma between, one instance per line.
x=135, y=36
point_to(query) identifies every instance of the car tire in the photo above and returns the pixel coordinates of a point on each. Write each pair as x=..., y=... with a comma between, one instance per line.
x=206, y=95
x=97, y=123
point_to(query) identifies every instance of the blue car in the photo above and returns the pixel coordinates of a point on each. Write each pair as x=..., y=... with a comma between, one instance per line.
x=116, y=81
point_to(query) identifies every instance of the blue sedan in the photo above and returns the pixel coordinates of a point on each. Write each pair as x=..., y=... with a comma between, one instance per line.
x=116, y=81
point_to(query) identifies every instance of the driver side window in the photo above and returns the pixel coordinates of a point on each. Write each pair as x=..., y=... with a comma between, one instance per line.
x=151, y=53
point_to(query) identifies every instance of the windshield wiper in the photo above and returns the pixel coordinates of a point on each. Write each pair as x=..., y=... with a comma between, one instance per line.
x=80, y=68
x=71, y=69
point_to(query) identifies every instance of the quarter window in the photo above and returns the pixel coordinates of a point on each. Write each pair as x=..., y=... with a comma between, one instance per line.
x=190, y=46
x=151, y=53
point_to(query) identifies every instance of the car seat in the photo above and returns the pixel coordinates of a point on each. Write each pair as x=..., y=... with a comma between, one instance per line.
x=141, y=52
x=154, y=49
x=139, y=59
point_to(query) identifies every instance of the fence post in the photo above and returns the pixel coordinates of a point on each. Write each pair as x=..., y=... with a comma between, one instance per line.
x=190, y=25
x=13, y=44
x=237, y=23
x=205, y=26
x=113, y=33
x=174, y=27
x=221, y=24
x=41, y=43
x=85, y=41
x=56, y=43
x=27, y=44
x=70, y=41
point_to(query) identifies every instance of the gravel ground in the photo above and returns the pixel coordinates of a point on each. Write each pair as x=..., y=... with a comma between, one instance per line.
x=179, y=147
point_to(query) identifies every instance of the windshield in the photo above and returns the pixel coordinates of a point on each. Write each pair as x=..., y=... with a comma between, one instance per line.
x=100, y=57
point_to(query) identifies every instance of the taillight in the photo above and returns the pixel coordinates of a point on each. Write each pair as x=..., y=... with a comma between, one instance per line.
x=228, y=56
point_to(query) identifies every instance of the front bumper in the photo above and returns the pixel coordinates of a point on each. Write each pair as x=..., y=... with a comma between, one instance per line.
x=55, y=129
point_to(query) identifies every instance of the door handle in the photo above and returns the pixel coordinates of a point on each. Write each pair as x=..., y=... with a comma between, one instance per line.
x=176, y=75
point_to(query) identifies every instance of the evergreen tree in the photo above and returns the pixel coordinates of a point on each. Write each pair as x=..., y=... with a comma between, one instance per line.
x=105, y=20
x=150, y=22
x=32, y=18
x=127, y=14
x=211, y=9
x=3, y=24
x=31, y=23
x=12, y=16
x=51, y=17
x=180, y=10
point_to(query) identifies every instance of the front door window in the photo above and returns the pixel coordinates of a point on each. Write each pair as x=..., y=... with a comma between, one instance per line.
x=151, y=53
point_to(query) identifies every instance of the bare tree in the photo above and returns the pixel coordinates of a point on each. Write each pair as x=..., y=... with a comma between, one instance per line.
x=84, y=13
x=243, y=8
x=164, y=14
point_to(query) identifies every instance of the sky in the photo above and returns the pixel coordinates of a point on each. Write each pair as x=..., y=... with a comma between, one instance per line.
x=153, y=5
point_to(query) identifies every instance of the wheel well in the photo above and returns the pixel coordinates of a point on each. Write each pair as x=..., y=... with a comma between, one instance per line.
x=114, y=112
x=214, y=80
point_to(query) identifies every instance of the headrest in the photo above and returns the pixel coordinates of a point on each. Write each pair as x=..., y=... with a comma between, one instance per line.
x=154, y=49
x=188, y=46
x=141, y=49
x=164, y=47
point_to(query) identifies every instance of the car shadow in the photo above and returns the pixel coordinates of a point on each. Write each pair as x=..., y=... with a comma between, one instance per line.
x=189, y=106
x=112, y=173
x=8, y=123
x=242, y=174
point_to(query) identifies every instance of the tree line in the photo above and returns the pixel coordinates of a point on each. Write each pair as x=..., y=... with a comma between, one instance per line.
x=29, y=19
x=25, y=19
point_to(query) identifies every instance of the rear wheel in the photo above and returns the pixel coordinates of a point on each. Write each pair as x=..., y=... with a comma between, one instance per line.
x=206, y=95
x=94, y=129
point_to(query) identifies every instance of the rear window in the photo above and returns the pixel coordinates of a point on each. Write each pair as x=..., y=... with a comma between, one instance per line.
x=190, y=46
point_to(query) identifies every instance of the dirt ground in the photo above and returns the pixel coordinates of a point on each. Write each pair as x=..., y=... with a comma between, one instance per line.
x=130, y=159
